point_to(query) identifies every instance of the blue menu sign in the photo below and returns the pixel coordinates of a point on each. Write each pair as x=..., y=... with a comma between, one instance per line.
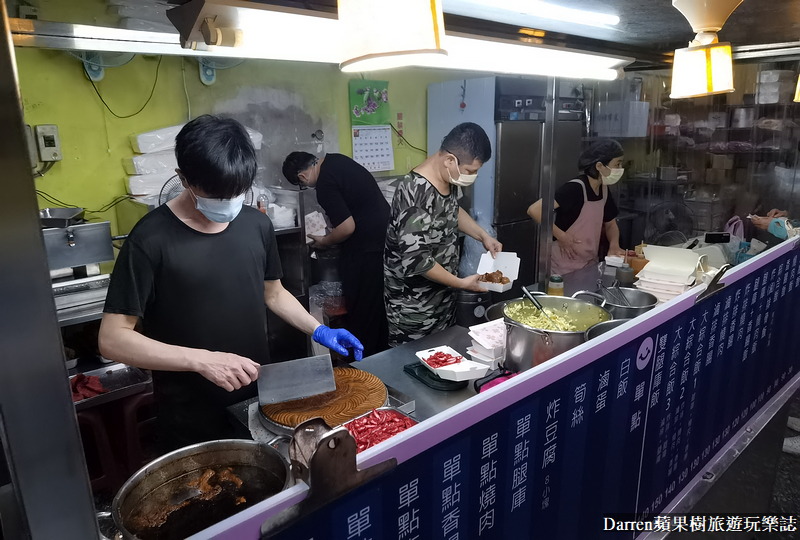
x=622, y=435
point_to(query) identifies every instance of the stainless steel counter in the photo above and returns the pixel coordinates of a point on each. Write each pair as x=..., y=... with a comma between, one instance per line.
x=388, y=366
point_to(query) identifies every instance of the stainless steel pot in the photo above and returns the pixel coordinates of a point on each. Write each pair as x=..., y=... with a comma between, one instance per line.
x=495, y=311
x=603, y=327
x=527, y=347
x=640, y=302
x=262, y=470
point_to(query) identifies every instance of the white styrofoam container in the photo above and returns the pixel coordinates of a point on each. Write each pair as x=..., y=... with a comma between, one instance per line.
x=463, y=371
x=506, y=262
x=493, y=363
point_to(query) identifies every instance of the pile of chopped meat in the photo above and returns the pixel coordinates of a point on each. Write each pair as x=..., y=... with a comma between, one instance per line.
x=84, y=387
x=377, y=426
x=494, y=277
x=442, y=359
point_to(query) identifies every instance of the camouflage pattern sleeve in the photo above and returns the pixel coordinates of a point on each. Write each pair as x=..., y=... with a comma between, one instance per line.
x=414, y=241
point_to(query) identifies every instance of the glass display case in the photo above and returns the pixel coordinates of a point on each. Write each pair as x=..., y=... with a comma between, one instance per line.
x=693, y=164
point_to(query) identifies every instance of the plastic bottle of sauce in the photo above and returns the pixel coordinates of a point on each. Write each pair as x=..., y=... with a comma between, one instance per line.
x=555, y=287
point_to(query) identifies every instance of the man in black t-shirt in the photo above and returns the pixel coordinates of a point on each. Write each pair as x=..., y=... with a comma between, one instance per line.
x=199, y=272
x=360, y=215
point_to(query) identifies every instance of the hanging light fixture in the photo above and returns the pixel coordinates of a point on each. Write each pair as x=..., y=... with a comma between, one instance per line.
x=706, y=66
x=797, y=91
x=413, y=31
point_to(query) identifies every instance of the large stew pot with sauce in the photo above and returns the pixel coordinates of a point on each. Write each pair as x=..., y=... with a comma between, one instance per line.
x=528, y=346
x=225, y=477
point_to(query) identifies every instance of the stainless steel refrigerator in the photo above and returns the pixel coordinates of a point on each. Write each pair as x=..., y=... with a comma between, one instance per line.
x=517, y=185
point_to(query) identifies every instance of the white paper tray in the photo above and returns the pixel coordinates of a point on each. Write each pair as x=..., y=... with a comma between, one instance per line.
x=494, y=353
x=463, y=371
x=506, y=262
x=477, y=357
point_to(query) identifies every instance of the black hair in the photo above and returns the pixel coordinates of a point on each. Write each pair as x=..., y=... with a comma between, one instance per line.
x=602, y=151
x=468, y=142
x=216, y=156
x=295, y=163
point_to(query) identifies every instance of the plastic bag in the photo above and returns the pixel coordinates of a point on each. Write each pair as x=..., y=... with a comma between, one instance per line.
x=735, y=227
x=164, y=139
x=148, y=184
x=157, y=162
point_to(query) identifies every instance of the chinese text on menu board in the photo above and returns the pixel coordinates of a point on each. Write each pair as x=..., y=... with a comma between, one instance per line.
x=622, y=435
x=372, y=147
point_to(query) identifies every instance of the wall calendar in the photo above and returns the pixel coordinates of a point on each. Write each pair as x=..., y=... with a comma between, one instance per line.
x=372, y=147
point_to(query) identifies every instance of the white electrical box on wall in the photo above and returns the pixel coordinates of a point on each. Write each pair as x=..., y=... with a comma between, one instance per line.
x=48, y=142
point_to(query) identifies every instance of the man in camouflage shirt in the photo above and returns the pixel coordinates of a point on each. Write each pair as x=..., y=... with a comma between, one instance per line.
x=422, y=256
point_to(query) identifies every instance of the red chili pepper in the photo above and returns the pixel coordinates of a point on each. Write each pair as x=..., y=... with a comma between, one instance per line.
x=376, y=427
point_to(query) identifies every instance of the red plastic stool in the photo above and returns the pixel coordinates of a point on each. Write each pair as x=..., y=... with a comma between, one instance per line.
x=130, y=429
x=99, y=455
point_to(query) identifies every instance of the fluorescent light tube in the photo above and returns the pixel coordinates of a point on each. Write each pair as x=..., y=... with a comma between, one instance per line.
x=543, y=10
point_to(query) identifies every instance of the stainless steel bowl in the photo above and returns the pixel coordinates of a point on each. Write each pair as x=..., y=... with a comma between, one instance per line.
x=527, y=347
x=495, y=311
x=603, y=327
x=640, y=302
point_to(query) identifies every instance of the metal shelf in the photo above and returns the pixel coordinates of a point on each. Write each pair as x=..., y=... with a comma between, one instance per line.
x=81, y=314
x=292, y=230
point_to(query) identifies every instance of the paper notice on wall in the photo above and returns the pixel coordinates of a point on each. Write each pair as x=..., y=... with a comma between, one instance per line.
x=372, y=147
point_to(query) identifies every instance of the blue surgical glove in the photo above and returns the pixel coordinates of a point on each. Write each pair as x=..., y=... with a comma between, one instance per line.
x=339, y=340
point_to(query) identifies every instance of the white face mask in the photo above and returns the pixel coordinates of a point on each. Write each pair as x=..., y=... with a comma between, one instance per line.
x=463, y=180
x=219, y=210
x=613, y=177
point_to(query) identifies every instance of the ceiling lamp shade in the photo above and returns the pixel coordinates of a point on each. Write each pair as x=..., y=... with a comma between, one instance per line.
x=389, y=33
x=702, y=71
x=705, y=67
x=797, y=92
x=706, y=15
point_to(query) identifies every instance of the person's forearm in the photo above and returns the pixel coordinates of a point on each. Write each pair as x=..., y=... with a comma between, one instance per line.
x=134, y=349
x=467, y=225
x=558, y=234
x=283, y=304
x=339, y=234
x=612, y=233
x=535, y=211
x=443, y=277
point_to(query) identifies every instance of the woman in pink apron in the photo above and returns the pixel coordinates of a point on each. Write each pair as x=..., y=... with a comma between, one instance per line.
x=584, y=208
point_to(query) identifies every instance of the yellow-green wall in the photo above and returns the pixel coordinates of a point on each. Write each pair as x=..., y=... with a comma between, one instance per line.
x=56, y=91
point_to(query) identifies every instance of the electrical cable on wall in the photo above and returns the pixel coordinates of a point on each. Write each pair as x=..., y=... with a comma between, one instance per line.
x=44, y=170
x=403, y=139
x=152, y=91
x=185, y=91
x=106, y=207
